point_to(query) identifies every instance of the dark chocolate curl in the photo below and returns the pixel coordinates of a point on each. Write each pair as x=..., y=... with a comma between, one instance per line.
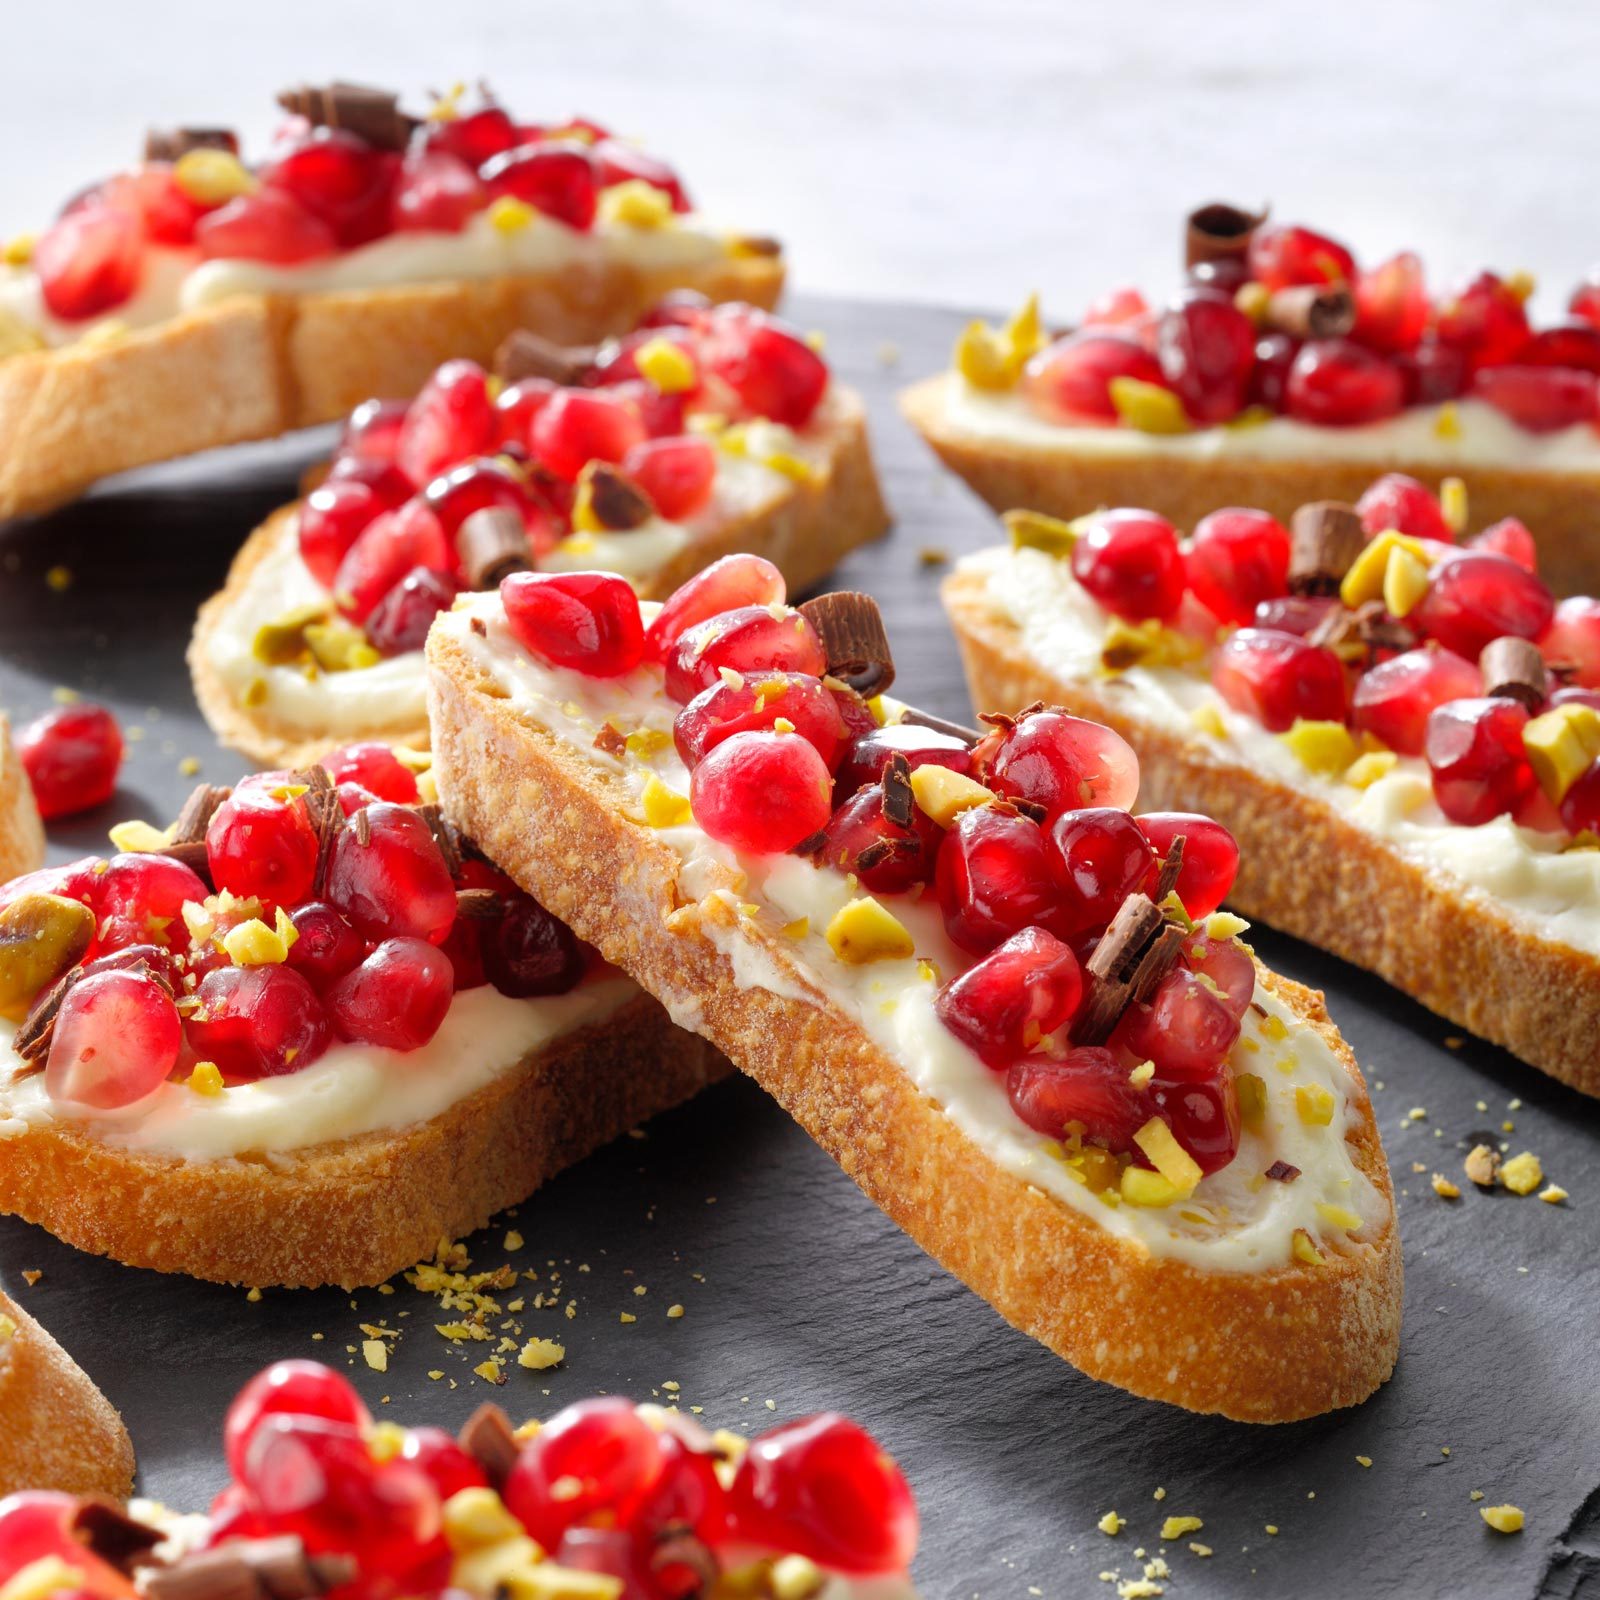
x=1308, y=311
x=275, y=1568
x=926, y=719
x=1283, y=1172
x=477, y=905
x=619, y=505
x=1171, y=866
x=492, y=544
x=852, y=633
x=192, y=853
x=1217, y=231
x=171, y=144
x=104, y=1527
x=371, y=114
x=525, y=354
x=899, y=802
x=1137, y=922
x=198, y=810
x=444, y=835
x=488, y=1437
x=1326, y=537
x=1514, y=668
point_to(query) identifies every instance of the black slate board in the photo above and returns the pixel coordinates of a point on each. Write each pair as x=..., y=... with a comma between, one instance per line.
x=795, y=1288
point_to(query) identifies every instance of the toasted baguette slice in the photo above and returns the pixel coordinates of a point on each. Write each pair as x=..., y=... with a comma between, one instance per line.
x=57, y=1431
x=259, y=365
x=1308, y=870
x=1560, y=507
x=804, y=528
x=356, y=1211
x=1267, y=1346
x=21, y=832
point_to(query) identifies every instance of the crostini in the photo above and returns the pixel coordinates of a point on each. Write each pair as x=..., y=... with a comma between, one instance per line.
x=21, y=831
x=603, y=1501
x=1283, y=372
x=57, y=1431
x=704, y=431
x=1400, y=731
x=303, y=1034
x=1007, y=1009
x=193, y=300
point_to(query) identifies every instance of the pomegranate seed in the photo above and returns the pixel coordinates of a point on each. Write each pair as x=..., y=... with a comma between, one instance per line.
x=38, y=1525
x=147, y=892
x=1102, y=857
x=1060, y=762
x=397, y=998
x=1394, y=699
x=761, y=792
x=1227, y=964
x=771, y=370
x=871, y=751
x=1585, y=301
x=339, y=179
x=328, y=947
x=1186, y=1029
x=1475, y=597
x=1540, y=399
x=1269, y=379
x=392, y=545
x=1336, y=383
x=259, y=845
x=1206, y=346
x=269, y=226
x=1070, y=380
x=1474, y=750
x=678, y=474
x=527, y=952
x=72, y=756
x=1485, y=321
x=1573, y=638
x=750, y=640
x=730, y=582
x=1203, y=1115
x=1432, y=373
x=1115, y=308
x=577, y=426
x=436, y=193
x=556, y=177
x=1391, y=304
x=1210, y=857
x=475, y=137
x=886, y=857
x=824, y=1488
x=1087, y=1085
x=596, y=1457
x=400, y=621
x=396, y=884
x=1277, y=678
x=89, y=263
x=725, y=709
x=1299, y=614
x=330, y=521
x=1236, y=560
x=437, y=1456
x=167, y=213
x=1573, y=344
x=516, y=406
x=77, y=880
x=450, y=420
x=376, y=767
x=1510, y=538
x=392, y=487
x=258, y=1022
x=687, y=1494
x=995, y=876
x=1017, y=995
x=1580, y=806
x=619, y=162
x=1283, y=256
x=116, y=1039
x=588, y=621
x=479, y=484
x=678, y=308
x=1396, y=501
x=1129, y=561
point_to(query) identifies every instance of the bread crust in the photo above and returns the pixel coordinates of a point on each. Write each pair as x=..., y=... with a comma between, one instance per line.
x=354, y=1212
x=806, y=529
x=21, y=831
x=1268, y=1347
x=1560, y=507
x=258, y=365
x=57, y=1431
x=1310, y=872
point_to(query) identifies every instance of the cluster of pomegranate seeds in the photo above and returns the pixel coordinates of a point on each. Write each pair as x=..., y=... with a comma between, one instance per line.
x=72, y=756
x=1238, y=335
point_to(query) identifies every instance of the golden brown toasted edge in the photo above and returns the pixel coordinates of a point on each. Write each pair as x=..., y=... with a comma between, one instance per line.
x=57, y=1431
x=1560, y=507
x=1267, y=1347
x=1306, y=870
x=256, y=366
x=21, y=831
x=805, y=531
x=354, y=1212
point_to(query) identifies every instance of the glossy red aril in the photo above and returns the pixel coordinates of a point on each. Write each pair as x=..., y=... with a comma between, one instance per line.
x=1187, y=1028
x=1573, y=638
x=436, y=192
x=528, y=952
x=42, y=1526
x=390, y=546
x=1225, y=963
x=258, y=1022
x=1275, y=353
x=1210, y=857
x=729, y=583
x=1017, y=995
x=555, y=176
x=761, y=792
x=482, y=482
x=871, y=752
x=1237, y=559
x=1540, y=399
x=1474, y=750
x=823, y=1487
x=1299, y=614
x=376, y=767
x=260, y=844
x=588, y=621
x=752, y=639
x=115, y=1040
x=1203, y=1114
x=1510, y=538
x=77, y=880
x=338, y=178
x=1432, y=372
x=72, y=756
x=1101, y=857
x=89, y=262
x=1585, y=301
x=1206, y=347
x=1116, y=307
x=1475, y=597
x=1336, y=383
x=886, y=857
x=329, y=521
x=516, y=406
x=451, y=419
x=1060, y=762
x=995, y=876
x=388, y=877
x=1282, y=256
x=327, y=946
x=1572, y=344
x=1391, y=304
x=768, y=366
x=1396, y=501
x=269, y=226
x=1485, y=321
x=168, y=214
x=1088, y=1086
x=476, y=137
x=1130, y=562
x=401, y=619
x=620, y=162
x=1070, y=380
x=678, y=308
x=392, y=487
x=442, y=1461
x=728, y=708
x=396, y=999
x=1580, y=805
x=148, y=892
x=1278, y=677
x=677, y=473
x=577, y=426
x=686, y=1494
x=1394, y=699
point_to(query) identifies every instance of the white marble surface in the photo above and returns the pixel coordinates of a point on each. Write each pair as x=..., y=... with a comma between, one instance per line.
x=925, y=149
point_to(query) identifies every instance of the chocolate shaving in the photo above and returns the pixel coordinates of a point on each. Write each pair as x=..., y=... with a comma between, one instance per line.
x=192, y=854
x=609, y=740
x=313, y=779
x=1217, y=231
x=1033, y=810
x=879, y=851
x=1326, y=538
x=1134, y=954
x=492, y=544
x=1116, y=956
x=444, y=835
x=618, y=503
x=32, y=1040
x=1171, y=866
x=479, y=905
x=277, y=1568
x=1358, y=635
x=526, y=354
x=812, y=843
x=926, y=719
x=479, y=627
x=1282, y=1172
x=1513, y=668
x=198, y=810
x=370, y=114
x=488, y=1437
x=852, y=633
x=363, y=826
x=679, y=1551
x=1312, y=311
x=104, y=1528
x=328, y=819
x=899, y=803
x=170, y=144
x=1156, y=963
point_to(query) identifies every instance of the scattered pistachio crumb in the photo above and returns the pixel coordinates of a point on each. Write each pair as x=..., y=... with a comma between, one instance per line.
x=1553, y=1194
x=674, y=1312
x=628, y=1316
x=1111, y=1524
x=1443, y=1187
x=1365, y=1461
x=1503, y=1519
